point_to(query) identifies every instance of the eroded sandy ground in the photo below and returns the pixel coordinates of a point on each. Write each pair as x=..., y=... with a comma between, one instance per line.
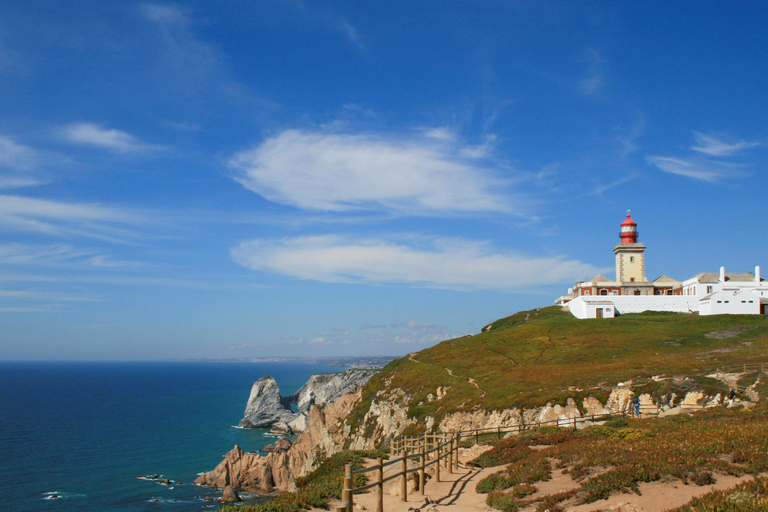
x=456, y=493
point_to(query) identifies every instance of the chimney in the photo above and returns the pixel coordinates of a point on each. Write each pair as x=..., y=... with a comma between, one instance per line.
x=722, y=274
x=757, y=274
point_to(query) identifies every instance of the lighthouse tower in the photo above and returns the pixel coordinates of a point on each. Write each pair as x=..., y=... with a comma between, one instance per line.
x=630, y=261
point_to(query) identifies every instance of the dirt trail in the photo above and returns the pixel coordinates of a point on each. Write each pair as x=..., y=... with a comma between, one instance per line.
x=450, y=372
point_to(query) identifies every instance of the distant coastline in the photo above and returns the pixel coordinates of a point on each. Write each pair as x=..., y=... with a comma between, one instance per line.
x=367, y=362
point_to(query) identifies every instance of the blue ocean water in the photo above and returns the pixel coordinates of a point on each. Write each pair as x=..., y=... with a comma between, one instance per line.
x=76, y=436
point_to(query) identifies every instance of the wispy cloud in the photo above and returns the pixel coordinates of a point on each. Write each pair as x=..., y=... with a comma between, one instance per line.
x=712, y=146
x=18, y=213
x=343, y=172
x=592, y=83
x=701, y=165
x=699, y=169
x=448, y=263
x=17, y=165
x=17, y=156
x=605, y=187
x=90, y=134
x=51, y=255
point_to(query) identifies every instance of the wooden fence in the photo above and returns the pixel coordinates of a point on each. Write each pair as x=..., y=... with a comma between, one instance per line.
x=434, y=450
x=744, y=368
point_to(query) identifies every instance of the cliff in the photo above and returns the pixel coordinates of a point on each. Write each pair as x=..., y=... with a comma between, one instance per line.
x=265, y=407
x=326, y=388
x=533, y=367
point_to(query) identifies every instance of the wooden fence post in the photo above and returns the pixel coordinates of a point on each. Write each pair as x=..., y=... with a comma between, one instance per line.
x=404, y=477
x=456, y=455
x=346, y=493
x=437, y=461
x=477, y=436
x=380, y=497
x=422, y=476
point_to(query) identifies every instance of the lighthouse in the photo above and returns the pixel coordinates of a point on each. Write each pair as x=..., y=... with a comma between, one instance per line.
x=630, y=261
x=628, y=232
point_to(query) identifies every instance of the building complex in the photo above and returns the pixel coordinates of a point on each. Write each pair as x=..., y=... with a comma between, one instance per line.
x=631, y=292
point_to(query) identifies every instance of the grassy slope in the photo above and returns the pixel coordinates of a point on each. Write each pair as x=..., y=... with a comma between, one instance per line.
x=532, y=357
x=616, y=457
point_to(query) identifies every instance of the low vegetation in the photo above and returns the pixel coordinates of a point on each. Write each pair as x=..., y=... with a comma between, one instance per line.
x=536, y=356
x=618, y=455
x=316, y=489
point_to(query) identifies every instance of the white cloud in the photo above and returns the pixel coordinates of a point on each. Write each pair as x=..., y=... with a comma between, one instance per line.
x=342, y=172
x=704, y=170
x=701, y=166
x=94, y=135
x=57, y=255
x=714, y=147
x=20, y=213
x=17, y=156
x=449, y=263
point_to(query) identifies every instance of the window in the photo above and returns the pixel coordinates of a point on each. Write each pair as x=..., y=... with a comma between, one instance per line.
x=632, y=279
x=631, y=259
x=637, y=292
x=603, y=292
x=727, y=302
x=719, y=302
x=709, y=289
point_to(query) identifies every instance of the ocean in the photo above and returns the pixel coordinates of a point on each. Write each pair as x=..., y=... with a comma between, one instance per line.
x=77, y=436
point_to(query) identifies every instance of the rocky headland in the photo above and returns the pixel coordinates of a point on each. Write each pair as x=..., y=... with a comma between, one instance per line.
x=266, y=408
x=503, y=377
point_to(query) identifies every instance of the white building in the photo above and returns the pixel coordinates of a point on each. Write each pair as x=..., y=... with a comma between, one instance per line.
x=717, y=292
x=723, y=302
x=705, y=293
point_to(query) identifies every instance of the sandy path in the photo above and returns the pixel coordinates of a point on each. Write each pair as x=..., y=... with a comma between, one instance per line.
x=456, y=492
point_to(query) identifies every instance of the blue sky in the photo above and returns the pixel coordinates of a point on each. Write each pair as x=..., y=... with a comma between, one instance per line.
x=295, y=178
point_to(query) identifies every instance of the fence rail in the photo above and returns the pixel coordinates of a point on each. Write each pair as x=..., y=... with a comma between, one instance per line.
x=436, y=450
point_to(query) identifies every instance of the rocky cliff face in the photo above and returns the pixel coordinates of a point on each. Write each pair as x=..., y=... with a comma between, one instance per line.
x=328, y=430
x=265, y=406
x=326, y=388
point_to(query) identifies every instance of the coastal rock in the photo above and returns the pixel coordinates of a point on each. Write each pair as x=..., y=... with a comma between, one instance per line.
x=593, y=407
x=693, y=400
x=250, y=472
x=265, y=406
x=325, y=388
x=230, y=495
x=620, y=400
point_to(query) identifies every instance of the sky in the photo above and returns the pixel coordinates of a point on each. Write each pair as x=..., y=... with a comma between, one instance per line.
x=295, y=178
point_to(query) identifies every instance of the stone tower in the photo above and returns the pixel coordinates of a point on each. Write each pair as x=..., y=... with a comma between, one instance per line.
x=630, y=261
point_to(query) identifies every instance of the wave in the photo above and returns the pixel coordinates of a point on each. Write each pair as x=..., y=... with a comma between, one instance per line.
x=57, y=495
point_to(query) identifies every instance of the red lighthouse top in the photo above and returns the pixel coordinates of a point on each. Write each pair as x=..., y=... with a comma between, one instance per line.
x=628, y=231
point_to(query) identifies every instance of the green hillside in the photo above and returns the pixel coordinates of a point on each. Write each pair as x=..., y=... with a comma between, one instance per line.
x=536, y=356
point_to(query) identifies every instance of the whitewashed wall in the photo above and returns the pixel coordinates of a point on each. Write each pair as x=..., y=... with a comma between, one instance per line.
x=584, y=307
x=728, y=303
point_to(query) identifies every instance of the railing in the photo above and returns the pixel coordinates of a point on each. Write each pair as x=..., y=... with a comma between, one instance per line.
x=446, y=448
x=744, y=368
